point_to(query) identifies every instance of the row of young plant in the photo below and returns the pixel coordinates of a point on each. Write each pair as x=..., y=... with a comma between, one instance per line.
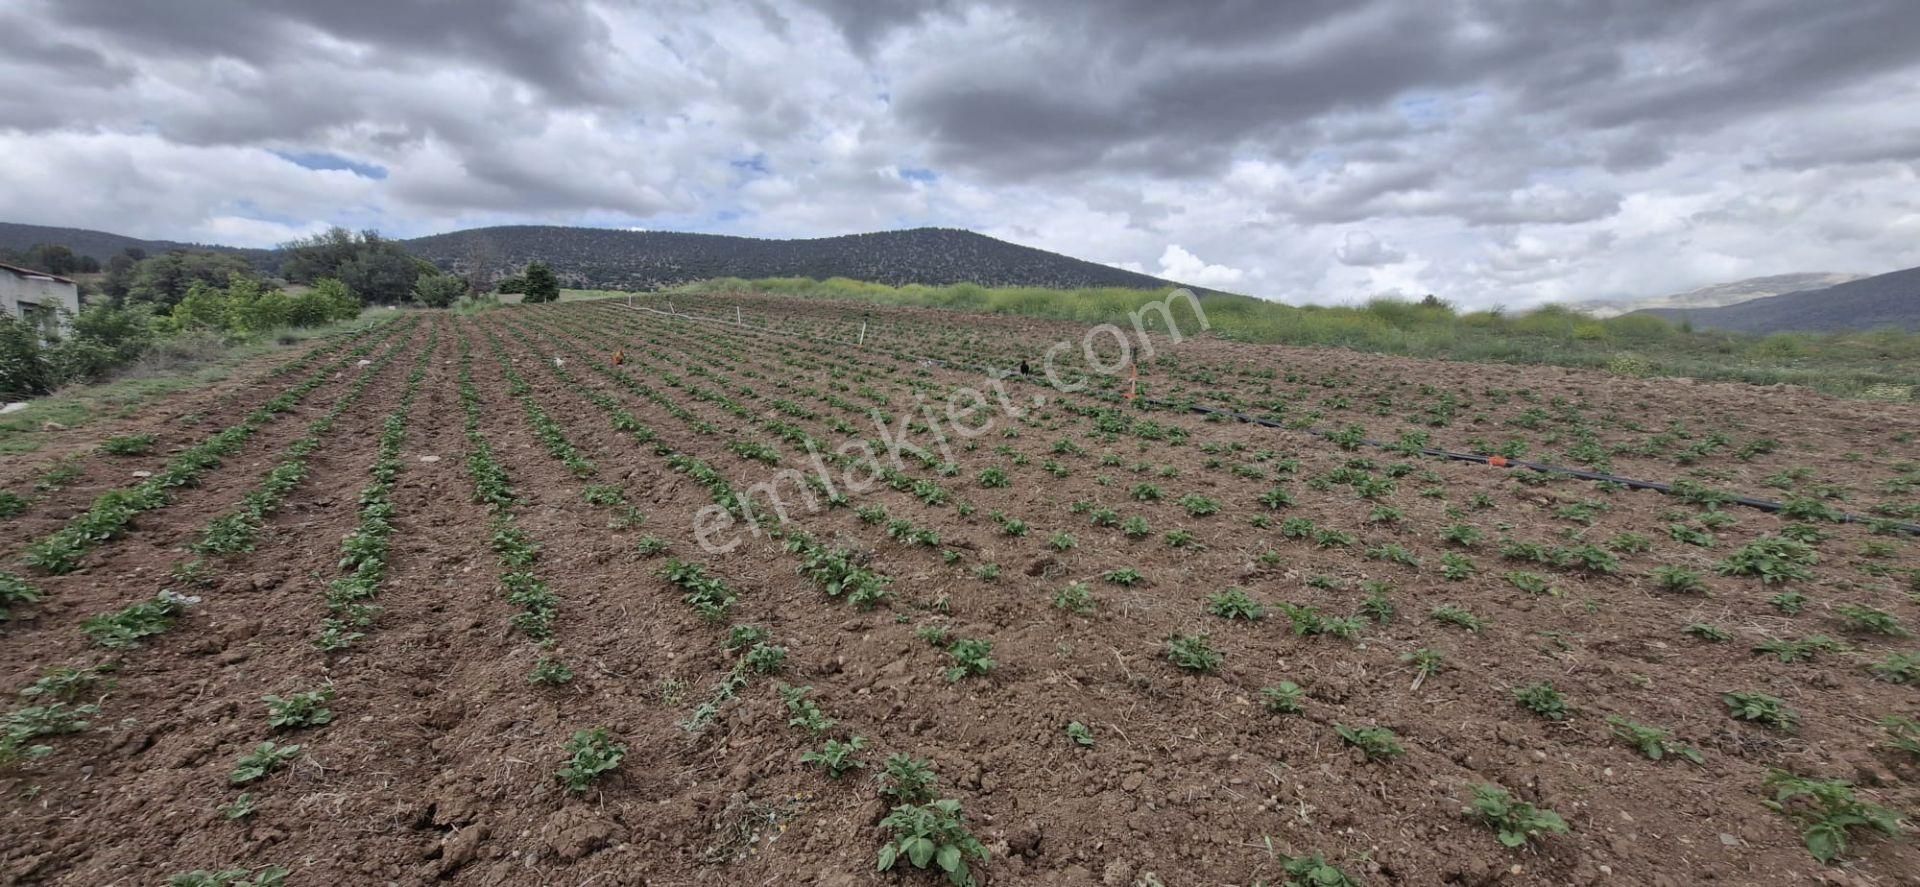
x=928, y=490
x=514, y=551
x=67, y=470
x=590, y=753
x=966, y=655
x=1600, y=557
x=364, y=555
x=1560, y=420
x=364, y=551
x=231, y=533
x=1510, y=818
x=833, y=569
x=1455, y=566
x=927, y=833
x=55, y=699
x=595, y=752
x=1758, y=559
x=52, y=709
x=64, y=550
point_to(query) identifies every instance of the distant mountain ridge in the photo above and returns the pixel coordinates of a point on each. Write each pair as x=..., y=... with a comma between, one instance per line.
x=649, y=259
x=100, y=245
x=1720, y=294
x=1890, y=300
x=617, y=259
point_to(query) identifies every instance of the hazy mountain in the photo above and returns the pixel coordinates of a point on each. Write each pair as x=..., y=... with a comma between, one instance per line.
x=1720, y=293
x=1883, y=300
x=602, y=257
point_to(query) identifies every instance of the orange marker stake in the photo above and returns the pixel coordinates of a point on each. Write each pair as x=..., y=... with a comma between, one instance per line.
x=1497, y=461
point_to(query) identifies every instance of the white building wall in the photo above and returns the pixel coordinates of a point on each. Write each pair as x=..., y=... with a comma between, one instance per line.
x=33, y=289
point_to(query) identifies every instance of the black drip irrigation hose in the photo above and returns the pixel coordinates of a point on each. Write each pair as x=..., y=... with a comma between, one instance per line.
x=1767, y=505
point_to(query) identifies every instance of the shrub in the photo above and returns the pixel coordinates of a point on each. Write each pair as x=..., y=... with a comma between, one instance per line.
x=1652, y=741
x=1772, y=559
x=299, y=710
x=21, y=726
x=262, y=760
x=268, y=876
x=1075, y=598
x=1283, y=698
x=1678, y=580
x=125, y=628
x=590, y=755
x=15, y=590
x=1378, y=743
x=971, y=657
x=1761, y=709
x=836, y=757
x=550, y=672
x=1514, y=822
x=907, y=779
x=439, y=290
x=1542, y=699
x=1827, y=812
x=1233, y=603
x=932, y=835
x=1898, y=668
x=1313, y=871
x=1193, y=652
x=128, y=445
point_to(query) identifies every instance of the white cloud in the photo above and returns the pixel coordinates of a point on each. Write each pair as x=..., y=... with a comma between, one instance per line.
x=1179, y=265
x=1363, y=249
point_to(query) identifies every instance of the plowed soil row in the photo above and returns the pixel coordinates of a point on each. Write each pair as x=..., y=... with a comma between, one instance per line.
x=439, y=762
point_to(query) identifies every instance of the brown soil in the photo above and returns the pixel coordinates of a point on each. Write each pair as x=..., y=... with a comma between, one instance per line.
x=439, y=763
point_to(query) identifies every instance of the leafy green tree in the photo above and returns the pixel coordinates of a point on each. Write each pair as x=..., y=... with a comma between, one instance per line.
x=542, y=285
x=165, y=280
x=120, y=274
x=203, y=308
x=378, y=270
x=127, y=331
x=23, y=365
x=439, y=290
x=327, y=301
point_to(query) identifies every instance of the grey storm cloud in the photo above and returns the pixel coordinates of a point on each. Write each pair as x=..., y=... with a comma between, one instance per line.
x=552, y=44
x=1492, y=150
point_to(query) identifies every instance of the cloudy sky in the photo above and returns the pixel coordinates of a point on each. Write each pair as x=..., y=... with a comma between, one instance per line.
x=1491, y=151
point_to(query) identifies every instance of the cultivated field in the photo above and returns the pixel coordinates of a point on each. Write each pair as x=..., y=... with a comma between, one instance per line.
x=477, y=599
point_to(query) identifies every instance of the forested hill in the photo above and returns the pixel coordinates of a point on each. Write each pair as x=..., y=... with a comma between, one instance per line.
x=616, y=259
x=644, y=259
x=99, y=245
